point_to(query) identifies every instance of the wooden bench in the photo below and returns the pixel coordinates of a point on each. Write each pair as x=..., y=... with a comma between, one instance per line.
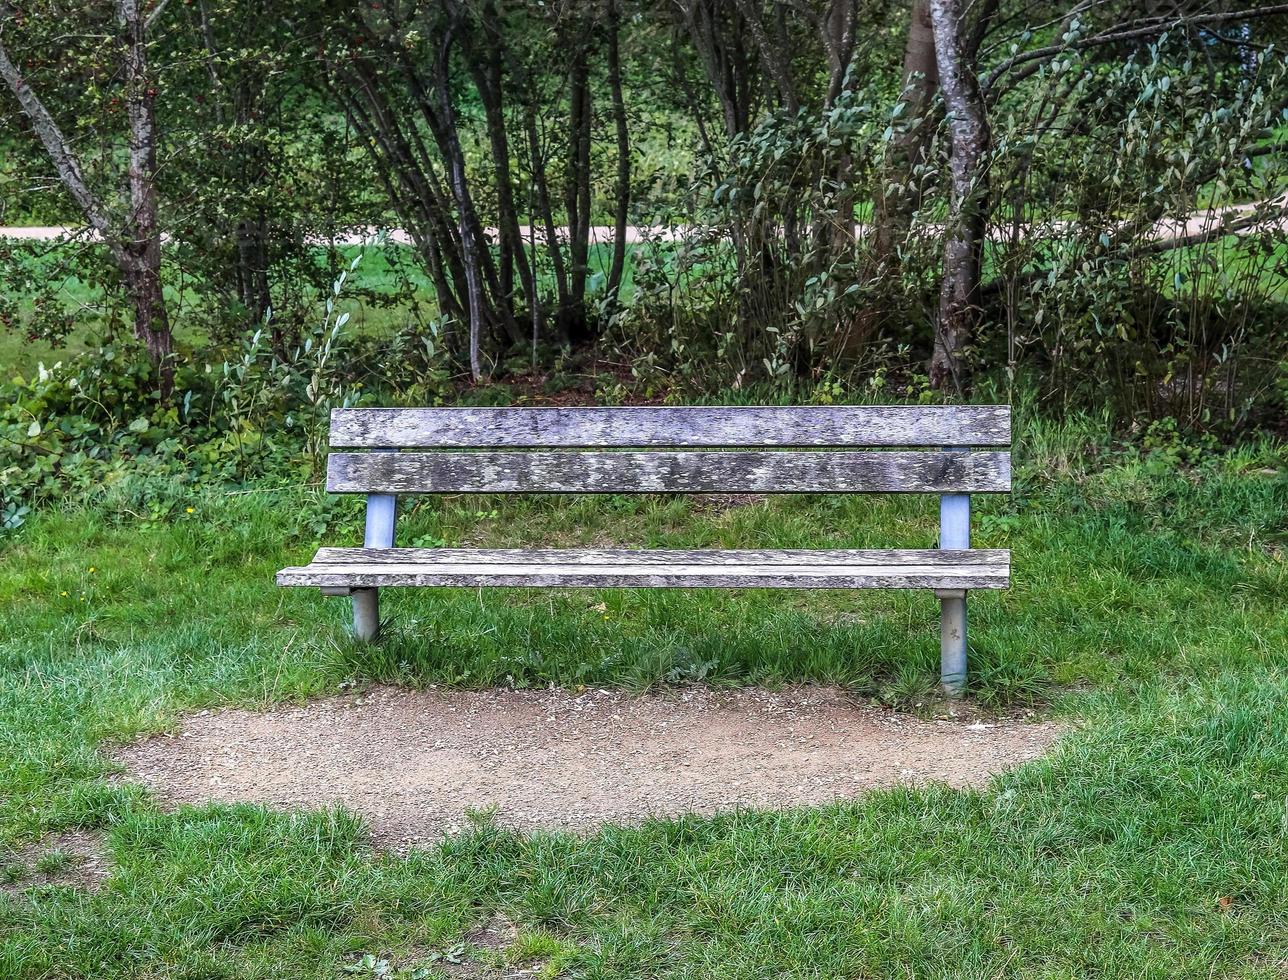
x=669, y=450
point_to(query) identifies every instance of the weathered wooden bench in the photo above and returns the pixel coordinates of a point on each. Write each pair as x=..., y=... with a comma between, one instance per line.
x=669, y=450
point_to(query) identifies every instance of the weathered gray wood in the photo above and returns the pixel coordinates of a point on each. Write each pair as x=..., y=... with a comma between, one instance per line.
x=916, y=572
x=696, y=426
x=980, y=557
x=601, y=567
x=670, y=472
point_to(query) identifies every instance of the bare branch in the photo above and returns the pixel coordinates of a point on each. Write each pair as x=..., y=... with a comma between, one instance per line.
x=155, y=15
x=1148, y=27
x=1235, y=222
x=59, y=150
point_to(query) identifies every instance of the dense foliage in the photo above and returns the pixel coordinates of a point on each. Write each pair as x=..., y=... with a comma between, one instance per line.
x=1089, y=204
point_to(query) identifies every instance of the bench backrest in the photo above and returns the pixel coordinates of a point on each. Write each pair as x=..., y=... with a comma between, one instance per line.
x=804, y=449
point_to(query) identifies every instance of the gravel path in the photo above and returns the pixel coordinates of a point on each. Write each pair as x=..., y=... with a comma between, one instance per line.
x=1238, y=218
x=412, y=762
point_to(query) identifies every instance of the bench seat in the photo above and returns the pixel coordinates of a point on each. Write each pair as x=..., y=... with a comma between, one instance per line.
x=337, y=570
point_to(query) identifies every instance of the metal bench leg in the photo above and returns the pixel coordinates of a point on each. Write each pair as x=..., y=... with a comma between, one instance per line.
x=952, y=641
x=381, y=511
x=954, y=533
x=366, y=614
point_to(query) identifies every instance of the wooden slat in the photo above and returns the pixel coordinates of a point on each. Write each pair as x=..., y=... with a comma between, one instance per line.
x=695, y=426
x=337, y=577
x=627, y=556
x=909, y=569
x=670, y=472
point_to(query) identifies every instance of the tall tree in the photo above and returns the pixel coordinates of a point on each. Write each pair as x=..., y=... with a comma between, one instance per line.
x=956, y=45
x=142, y=246
x=129, y=229
x=898, y=195
x=410, y=76
x=623, y=146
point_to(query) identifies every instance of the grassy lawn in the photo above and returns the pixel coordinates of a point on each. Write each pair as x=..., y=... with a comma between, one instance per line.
x=1149, y=608
x=385, y=271
x=382, y=272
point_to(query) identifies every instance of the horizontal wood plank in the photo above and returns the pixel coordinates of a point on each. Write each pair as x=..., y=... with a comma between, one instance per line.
x=940, y=558
x=693, y=426
x=670, y=472
x=599, y=568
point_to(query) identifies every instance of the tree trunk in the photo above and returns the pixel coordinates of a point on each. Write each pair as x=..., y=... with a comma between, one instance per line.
x=442, y=123
x=895, y=204
x=252, y=269
x=718, y=36
x=541, y=188
x=151, y=325
x=486, y=70
x=136, y=250
x=469, y=244
x=415, y=201
x=577, y=196
x=143, y=244
x=772, y=51
x=623, y=190
x=59, y=151
x=837, y=33
x=970, y=141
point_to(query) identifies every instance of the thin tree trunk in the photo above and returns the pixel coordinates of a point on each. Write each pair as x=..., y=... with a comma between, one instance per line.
x=582, y=244
x=469, y=247
x=623, y=190
x=59, y=151
x=772, y=51
x=726, y=64
x=540, y=207
x=137, y=251
x=970, y=140
x=541, y=186
x=252, y=271
x=837, y=32
x=143, y=246
x=895, y=204
x=412, y=206
x=488, y=78
x=577, y=195
x=442, y=124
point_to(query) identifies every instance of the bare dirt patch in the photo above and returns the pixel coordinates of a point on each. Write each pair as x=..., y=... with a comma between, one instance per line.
x=77, y=858
x=414, y=762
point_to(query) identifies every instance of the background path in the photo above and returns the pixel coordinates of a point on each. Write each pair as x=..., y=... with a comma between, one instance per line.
x=1239, y=218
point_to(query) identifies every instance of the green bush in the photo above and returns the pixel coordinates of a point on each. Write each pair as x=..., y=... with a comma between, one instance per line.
x=94, y=425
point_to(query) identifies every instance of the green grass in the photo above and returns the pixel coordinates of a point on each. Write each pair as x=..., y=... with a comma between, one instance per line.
x=382, y=274
x=1148, y=608
x=385, y=272
x=396, y=292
